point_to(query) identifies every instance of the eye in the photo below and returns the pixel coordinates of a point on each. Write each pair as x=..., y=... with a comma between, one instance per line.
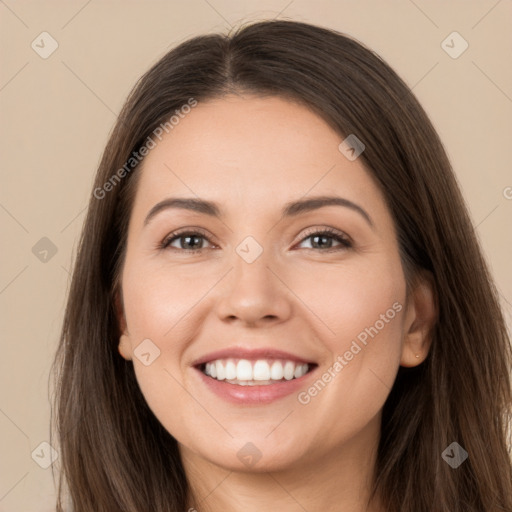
x=322, y=239
x=188, y=241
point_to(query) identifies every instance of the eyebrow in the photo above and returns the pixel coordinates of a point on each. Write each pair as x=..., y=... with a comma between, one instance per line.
x=290, y=209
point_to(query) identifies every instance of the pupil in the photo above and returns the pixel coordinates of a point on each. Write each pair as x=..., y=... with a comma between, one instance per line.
x=187, y=238
x=323, y=238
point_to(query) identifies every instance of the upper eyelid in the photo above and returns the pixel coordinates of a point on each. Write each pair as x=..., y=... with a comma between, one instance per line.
x=327, y=230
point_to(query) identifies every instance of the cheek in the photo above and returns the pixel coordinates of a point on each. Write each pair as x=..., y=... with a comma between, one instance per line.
x=157, y=300
x=363, y=308
x=153, y=306
x=156, y=308
x=354, y=297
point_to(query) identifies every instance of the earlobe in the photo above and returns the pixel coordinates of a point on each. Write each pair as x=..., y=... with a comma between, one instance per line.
x=420, y=320
x=124, y=347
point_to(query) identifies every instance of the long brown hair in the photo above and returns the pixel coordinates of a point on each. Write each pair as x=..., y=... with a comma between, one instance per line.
x=116, y=456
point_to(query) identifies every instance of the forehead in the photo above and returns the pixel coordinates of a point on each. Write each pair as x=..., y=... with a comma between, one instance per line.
x=252, y=152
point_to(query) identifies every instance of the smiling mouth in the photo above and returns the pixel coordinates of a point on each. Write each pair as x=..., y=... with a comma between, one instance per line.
x=260, y=372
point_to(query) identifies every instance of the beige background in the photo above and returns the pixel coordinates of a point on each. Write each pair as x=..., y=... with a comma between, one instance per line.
x=57, y=113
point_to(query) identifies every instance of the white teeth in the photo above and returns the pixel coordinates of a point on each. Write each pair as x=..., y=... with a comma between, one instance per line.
x=276, y=371
x=300, y=371
x=230, y=370
x=254, y=373
x=221, y=372
x=289, y=368
x=243, y=369
x=261, y=370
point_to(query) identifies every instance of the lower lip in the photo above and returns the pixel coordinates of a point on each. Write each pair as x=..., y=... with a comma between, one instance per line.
x=254, y=394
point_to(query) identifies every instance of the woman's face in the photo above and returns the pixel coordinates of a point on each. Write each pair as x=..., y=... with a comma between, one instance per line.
x=257, y=293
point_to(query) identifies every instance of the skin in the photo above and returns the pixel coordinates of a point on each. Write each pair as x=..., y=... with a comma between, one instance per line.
x=294, y=297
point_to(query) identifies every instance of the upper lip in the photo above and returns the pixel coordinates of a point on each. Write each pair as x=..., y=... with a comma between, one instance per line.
x=251, y=354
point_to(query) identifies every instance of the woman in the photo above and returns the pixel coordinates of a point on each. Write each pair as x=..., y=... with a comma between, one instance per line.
x=279, y=301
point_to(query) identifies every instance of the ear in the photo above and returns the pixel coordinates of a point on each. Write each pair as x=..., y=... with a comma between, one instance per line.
x=124, y=346
x=420, y=318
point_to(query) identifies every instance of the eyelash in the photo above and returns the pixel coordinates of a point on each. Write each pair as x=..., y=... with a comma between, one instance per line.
x=329, y=232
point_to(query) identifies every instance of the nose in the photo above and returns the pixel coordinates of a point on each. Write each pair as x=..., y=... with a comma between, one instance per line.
x=254, y=295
